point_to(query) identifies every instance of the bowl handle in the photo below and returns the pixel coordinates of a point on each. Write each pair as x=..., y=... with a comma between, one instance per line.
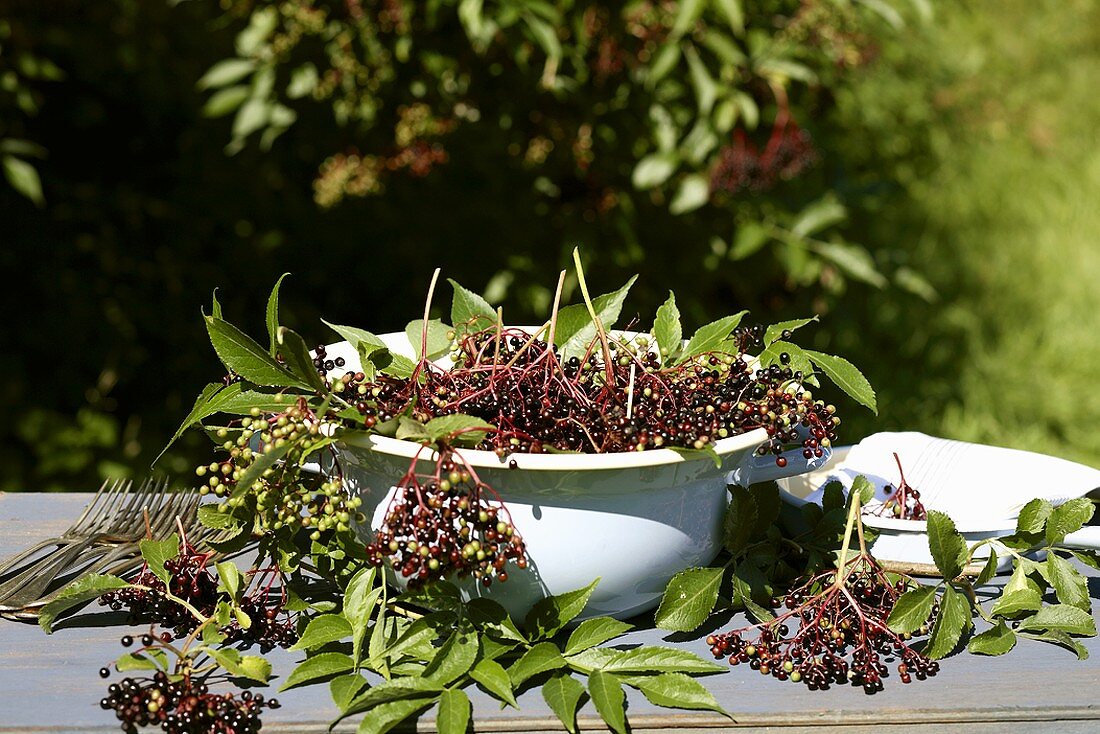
x=764, y=469
x=1087, y=538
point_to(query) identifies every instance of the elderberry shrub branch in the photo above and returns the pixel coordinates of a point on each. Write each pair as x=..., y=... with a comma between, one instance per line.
x=1022, y=608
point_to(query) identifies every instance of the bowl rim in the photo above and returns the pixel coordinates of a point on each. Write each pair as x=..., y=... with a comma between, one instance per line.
x=550, y=461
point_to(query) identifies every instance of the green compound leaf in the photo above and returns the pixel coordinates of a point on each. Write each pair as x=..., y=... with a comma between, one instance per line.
x=156, y=553
x=1068, y=518
x=242, y=355
x=491, y=675
x=609, y=699
x=659, y=660
x=1060, y=618
x=1033, y=517
x=912, y=609
x=592, y=632
x=666, y=328
x=847, y=377
x=1071, y=587
x=953, y=620
x=575, y=330
x=947, y=545
x=563, y=694
x=273, y=315
x=994, y=641
x=317, y=668
x=80, y=592
x=543, y=657
x=322, y=630
x=774, y=332
x=678, y=691
x=710, y=336
x=386, y=716
x=688, y=600
x=454, y=712
x=469, y=311
x=552, y=613
x=438, y=341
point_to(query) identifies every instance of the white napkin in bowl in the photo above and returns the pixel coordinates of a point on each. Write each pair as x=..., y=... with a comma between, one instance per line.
x=973, y=483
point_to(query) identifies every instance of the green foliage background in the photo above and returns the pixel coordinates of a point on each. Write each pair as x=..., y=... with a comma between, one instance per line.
x=964, y=152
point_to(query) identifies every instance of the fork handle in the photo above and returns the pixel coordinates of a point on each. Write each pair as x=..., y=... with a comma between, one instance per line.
x=13, y=562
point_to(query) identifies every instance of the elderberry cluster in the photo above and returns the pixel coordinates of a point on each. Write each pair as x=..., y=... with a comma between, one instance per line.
x=599, y=405
x=831, y=634
x=190, y=581
x=283, y=497
x=271, y=624
x=443, y=524
x=183, y=707
x=904, y=503
x=742, y=166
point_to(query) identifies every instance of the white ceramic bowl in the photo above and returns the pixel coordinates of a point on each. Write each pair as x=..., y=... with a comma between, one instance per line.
x=632, y=519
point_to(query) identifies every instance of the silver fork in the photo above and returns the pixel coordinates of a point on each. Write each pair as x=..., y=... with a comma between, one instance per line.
x=115, y=535
x=102, y=505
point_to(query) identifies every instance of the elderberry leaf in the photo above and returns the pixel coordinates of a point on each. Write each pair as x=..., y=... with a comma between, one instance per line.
x=454, y=659
x=317, y=668
x=952, y=622
x=552, y=613
x=1061, y=618
x=863, y=488
x=833, y=496
x=360, y=600
x=296, y=354
x=345, y=688
x=254, y=668
x=457, y=426
x=214, y=520
x=438, y=341
x=740, y=520
x=397, y=365
x=491, y=675
x=385, y=716
x=1071, y=587
x=707, y=452
x=666, y=328
x=137, y=661
x=1011, y=603
x=273, y=314
x=912, y=610
x=156, y=553
x=774, y=332
x=677, y=691
x=688, y=600
x=594, y=658
x=947, y=545
x=243, y=356
x=989, y=570
x=357, y=338
x=708, y=337
x=492, y=619
x=994, y=641
x=798, y=361
x=596, y=631
x=1033, y=517
x=454, y=712
x=323, y=629
x=469, y=311
x=1067, y=518
x=563, y=693
x=264, y=460
x=609, y=699
x=575, y=330
x=543, y=657
x=1089, y=558
x=847, y=377
x=409, y=429
x=1062, y=640
x=230, y=577
x=659, y=660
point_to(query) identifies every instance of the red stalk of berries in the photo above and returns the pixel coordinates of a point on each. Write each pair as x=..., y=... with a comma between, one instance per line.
x=834, y=629
x=904, y=503
x=446, y=522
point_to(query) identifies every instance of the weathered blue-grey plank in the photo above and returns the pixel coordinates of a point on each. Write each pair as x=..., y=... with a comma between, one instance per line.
x=1037, y=687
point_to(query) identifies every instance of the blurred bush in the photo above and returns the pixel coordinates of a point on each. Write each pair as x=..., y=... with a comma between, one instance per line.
x=788, y=157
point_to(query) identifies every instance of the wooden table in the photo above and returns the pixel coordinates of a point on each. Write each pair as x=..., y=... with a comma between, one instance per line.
x=51, y=684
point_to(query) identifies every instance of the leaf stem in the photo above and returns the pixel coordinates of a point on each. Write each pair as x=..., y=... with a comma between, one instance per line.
x=600, y=333
x=424, y=325
x=853, y=514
